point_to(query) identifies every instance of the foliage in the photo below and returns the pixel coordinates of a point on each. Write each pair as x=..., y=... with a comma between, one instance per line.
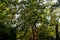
x=18, y=17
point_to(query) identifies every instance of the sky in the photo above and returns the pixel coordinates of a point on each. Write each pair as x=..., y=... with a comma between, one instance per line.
x=59, y=20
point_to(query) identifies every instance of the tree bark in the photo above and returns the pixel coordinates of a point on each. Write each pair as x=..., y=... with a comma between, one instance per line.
x=34, y=33
x=57, y=34
x=34, y=30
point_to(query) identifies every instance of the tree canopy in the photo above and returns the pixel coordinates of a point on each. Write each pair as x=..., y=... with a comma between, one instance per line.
x=29, y=20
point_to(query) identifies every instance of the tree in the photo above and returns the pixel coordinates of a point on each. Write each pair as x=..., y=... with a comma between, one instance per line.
x=5, y=29
x=32, y=12
x=29, y=19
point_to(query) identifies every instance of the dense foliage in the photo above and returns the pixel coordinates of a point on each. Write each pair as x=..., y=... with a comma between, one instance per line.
x=29, y=20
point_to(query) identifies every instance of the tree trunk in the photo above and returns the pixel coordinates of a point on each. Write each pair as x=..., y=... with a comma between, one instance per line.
x=34, y=30
x=57, y=34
